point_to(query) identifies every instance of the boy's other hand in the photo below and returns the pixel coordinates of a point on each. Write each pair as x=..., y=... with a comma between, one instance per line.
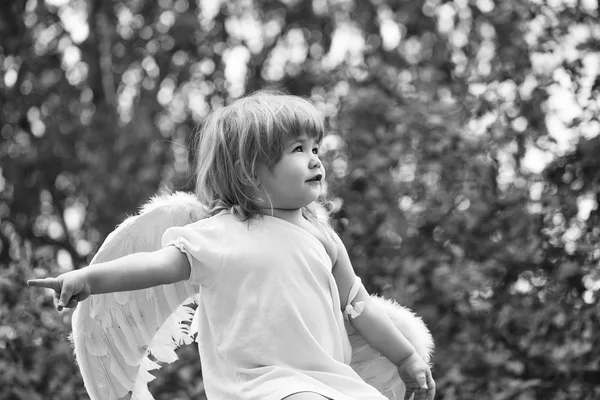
x=69, y=288
x=416, y=375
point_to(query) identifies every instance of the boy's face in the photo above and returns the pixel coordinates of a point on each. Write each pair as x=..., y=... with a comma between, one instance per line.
x=296, y=179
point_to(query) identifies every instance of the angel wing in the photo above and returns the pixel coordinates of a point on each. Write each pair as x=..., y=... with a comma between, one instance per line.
x=117, y=336
x=377, y=370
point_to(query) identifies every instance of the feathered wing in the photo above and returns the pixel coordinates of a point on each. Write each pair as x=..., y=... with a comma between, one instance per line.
x=377, y=370
x=118, y=336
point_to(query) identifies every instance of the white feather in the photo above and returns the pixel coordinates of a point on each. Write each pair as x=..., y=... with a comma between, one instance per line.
x=139, y=320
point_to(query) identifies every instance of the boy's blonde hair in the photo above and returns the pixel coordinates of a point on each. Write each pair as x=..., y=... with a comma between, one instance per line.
x=234, y=138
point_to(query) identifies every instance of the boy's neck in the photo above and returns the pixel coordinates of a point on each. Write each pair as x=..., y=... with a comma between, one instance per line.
x=290, y=215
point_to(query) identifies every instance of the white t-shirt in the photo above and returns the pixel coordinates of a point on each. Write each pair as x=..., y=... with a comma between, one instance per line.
x=270, y=321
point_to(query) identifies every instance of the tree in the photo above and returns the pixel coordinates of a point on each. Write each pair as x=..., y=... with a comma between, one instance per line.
x=462, y=159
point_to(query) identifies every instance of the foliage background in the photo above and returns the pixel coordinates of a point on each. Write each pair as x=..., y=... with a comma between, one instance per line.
x=463, y=157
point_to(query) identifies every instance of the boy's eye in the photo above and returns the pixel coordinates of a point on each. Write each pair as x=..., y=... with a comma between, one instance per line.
x=315, y=150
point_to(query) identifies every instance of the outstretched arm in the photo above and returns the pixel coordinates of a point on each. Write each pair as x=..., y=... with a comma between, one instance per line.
x=374, y=324
x=132, y=272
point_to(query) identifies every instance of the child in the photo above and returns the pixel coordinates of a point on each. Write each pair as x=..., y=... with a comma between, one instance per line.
x=276, y=281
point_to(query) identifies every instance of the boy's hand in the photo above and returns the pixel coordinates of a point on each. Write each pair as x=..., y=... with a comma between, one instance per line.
x=69, y=288
x=416, y=375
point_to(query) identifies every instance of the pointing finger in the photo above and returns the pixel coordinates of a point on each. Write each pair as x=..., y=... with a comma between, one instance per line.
x=51, y=283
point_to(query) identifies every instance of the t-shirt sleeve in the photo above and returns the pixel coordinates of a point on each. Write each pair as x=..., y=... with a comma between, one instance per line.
x=202, y=243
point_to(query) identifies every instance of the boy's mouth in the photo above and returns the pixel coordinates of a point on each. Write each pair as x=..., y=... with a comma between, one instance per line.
x=316, y=178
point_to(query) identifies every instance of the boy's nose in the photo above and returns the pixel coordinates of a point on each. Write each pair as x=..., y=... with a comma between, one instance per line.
x=315, y=162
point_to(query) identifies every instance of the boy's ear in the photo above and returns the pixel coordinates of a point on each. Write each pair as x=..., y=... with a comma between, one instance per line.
x=243, y=177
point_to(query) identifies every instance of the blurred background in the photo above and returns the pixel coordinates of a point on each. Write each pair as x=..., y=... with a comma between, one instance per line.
x=463, y=158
